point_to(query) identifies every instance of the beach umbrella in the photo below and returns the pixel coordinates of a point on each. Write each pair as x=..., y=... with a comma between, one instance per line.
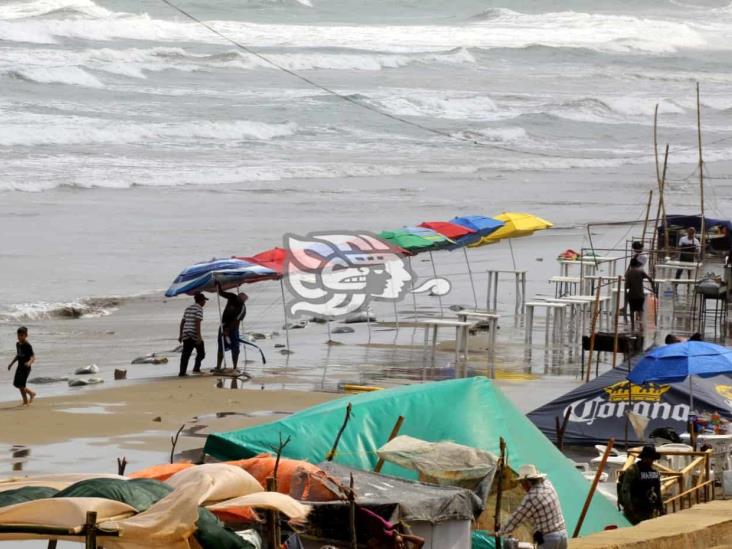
x=273, y=259
x=229, y=273
x=516, y=224
x=410, y=242
x=678, y=361
x=482, y=225
x=417, y=239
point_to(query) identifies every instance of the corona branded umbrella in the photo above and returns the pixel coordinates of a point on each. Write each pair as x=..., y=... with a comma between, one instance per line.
x=229, y=273
x=678, y=361
x=516, y=224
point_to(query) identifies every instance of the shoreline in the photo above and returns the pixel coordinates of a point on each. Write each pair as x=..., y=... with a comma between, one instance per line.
x=139, y=417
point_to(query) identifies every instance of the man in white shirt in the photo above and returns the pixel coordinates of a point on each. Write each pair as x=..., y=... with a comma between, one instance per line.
x=689, y=247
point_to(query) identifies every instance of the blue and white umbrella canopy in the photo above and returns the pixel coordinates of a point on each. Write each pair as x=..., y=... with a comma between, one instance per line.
x=229, y=273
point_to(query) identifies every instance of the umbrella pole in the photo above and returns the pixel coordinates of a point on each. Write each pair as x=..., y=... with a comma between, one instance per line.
x=396, y=315
x=470, y=274
x=242, y=327
x=284, y=311
x=434, y=272
x=691, y=395
x=513, y=257
x=414, y=295
x=220, y=336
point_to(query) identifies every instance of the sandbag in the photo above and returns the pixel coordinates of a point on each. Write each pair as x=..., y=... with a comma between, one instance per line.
x=222, y=481
x=160, y=472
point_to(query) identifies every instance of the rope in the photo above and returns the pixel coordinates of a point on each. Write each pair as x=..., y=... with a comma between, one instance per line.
x=371, y=108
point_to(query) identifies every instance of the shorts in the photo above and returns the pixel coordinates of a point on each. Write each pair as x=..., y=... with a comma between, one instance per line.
x=21, y=376
x=233, y=336
x=636, y=304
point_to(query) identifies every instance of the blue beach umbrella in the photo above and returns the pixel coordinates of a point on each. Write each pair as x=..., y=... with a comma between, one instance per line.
x=676, y=362
x=229, y=273
x=482, y=225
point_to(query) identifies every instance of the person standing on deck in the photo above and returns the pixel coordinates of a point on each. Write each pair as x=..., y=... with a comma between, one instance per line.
x=190, y=335
x=541, y=507
x=689, y=247
x=634, y=292
x=233, y=314
x=639, y=488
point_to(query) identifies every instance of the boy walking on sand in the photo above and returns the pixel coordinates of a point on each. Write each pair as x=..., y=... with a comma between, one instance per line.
x=25, y=358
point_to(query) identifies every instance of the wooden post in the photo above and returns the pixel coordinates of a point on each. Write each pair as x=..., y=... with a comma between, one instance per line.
x=272, y=527
x=663, y=203
x=52, y=543
x=595, y=482
x=90, y=530
x=346, y=419
x=648, y=213
x=561, y=429
x=499, y=490
x=392, y=436
x=617, y=317
x=121, y=466
x=593, y=325
x=352, y=514
x=701, y=170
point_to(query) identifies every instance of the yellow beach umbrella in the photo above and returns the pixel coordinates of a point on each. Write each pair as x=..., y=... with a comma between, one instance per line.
x=516, y=224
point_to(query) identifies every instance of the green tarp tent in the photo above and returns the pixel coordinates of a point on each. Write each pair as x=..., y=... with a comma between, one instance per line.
x=469, y=411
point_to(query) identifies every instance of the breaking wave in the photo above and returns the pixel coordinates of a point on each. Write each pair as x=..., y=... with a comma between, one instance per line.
x=75, y=130
x=85, y=308
x=72, y=76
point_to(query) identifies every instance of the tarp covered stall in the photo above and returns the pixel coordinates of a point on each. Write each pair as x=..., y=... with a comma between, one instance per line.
x=598, y=407
x=441, y=515
x=470, y=411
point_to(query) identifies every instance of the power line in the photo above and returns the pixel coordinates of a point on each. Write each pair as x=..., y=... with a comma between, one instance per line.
x=386, y=114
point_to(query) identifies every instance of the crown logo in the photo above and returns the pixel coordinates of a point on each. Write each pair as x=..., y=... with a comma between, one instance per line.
x=618, y=392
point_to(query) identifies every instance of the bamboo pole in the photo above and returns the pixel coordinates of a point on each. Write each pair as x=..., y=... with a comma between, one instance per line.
x=648, y=213
x=595, y=482
x=332, y=452
x=663, y=202
x=617, y=315
x=499, y=491
x=352, y=514
x=593, y=325
x=701, y=170
x=392, y=436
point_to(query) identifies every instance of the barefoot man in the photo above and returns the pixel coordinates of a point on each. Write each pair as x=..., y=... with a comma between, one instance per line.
x=25, y=358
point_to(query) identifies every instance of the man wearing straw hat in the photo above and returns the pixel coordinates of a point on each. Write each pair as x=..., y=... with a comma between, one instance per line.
x=541, y=507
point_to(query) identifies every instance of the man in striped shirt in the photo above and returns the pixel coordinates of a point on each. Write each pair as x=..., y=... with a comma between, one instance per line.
x=190, y=334
x=540, y=506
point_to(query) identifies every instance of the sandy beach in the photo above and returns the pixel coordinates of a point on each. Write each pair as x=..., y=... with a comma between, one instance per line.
x=137, y=420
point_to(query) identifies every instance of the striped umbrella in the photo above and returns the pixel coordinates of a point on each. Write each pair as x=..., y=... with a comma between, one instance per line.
x=229, y=273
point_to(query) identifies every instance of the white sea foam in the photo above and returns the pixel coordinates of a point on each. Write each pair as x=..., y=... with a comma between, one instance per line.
x=29, y=130
x=83, y=308
x=508, y=29
x=36, y=8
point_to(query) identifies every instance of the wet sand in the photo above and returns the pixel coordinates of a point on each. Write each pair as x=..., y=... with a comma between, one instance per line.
x=135, y=419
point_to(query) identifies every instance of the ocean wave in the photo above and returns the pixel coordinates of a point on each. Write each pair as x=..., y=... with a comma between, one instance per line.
x=63, y=8
x=69, y=66
x=72, y=76
x=505, y=29
x=92, y=307
x=30, y=130
x=451, y=105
